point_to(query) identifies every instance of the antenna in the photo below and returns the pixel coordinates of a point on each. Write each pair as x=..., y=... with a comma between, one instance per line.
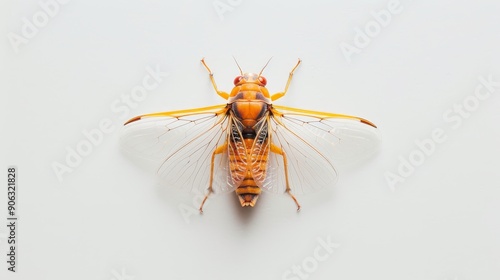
x=265, y=66
x=241, y=72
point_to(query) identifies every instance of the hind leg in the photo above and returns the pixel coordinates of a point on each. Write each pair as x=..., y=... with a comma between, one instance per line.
x=279, y=151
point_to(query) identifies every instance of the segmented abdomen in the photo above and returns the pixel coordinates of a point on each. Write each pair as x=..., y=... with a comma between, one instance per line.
x=248, y=153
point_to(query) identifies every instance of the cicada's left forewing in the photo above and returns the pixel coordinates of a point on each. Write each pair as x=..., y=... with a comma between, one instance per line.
x=313, y=144
x=237, y=153
x=180, y=145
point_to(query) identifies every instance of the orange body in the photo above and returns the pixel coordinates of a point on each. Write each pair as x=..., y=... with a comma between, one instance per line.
x=239, y=136
x=249, y=102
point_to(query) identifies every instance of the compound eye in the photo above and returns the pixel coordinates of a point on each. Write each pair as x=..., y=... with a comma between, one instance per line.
x=263, y=80
x=237, y=80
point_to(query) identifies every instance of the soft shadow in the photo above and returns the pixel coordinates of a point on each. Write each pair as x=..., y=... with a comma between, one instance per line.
x=245, y=214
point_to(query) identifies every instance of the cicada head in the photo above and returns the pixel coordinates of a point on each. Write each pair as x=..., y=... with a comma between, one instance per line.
x=250, y=78
x=250, y=86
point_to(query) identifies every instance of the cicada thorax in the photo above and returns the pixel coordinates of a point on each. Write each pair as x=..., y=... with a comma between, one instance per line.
x=249, y=141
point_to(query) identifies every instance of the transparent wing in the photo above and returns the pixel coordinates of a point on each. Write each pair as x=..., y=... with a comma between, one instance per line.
x=313, y=143
x=260, y=152
x=237, y=152
x=180, y=145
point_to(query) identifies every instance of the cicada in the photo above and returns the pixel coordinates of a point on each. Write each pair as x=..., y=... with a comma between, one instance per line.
x=248, y=144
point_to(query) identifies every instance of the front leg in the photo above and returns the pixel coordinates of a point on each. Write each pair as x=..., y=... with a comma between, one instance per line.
x=281, y=94
x=222, y=94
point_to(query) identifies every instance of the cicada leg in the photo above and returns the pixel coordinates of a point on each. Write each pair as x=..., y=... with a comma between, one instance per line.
x=218, y=150
x=222, y=94
x=281, y=94
x=279, y=151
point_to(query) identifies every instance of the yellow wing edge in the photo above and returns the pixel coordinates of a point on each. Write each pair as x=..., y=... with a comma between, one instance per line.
x=318, y=114
x=216, y=109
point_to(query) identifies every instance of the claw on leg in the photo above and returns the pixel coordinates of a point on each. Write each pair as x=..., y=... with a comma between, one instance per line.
x=294, y=199
x=218, y=150
x=203, y=202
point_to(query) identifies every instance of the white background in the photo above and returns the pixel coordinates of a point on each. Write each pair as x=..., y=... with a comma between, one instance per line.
x=107, y=219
